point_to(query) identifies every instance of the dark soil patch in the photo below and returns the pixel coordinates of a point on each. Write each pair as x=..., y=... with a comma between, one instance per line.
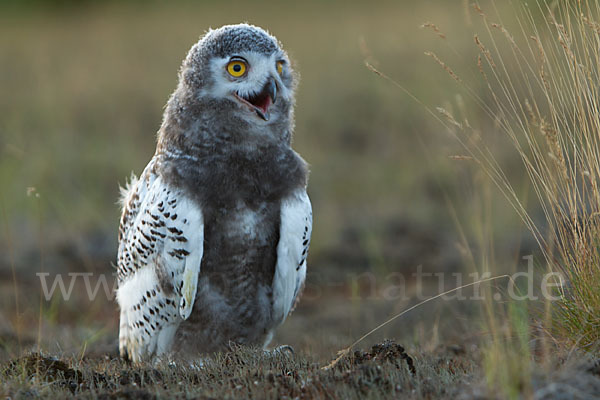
x=50, y=369
x=388, y=351
x=384, y=370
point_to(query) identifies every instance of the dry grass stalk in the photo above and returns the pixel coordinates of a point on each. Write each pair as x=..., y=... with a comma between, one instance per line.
x=555, y=129
x=591, y=23
x=479, y=10
x=542, y=57
x=506, y=34
x=485, y=51
x=344, y=352
x=460, y=157
x=480, y=66
x=443, y=65
x=435, y=29
x=449, y=117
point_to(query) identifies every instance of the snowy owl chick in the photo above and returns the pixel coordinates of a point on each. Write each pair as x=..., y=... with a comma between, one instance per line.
x=214, y=234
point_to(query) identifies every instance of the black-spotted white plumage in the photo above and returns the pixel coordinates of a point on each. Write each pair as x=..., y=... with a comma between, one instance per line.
x=214, y=234
x=160, y=252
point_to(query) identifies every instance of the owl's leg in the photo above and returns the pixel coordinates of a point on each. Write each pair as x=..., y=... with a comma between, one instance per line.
x=165, y=339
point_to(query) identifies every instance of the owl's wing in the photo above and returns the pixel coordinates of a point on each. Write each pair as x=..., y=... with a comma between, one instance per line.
x=292, y=250
x=160, y=250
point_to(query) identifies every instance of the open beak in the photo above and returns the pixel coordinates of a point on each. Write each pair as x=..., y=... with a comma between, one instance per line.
x=262, y=101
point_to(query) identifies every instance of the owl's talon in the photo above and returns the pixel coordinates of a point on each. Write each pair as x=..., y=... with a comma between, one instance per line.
x=284, y=349
x=196, y=365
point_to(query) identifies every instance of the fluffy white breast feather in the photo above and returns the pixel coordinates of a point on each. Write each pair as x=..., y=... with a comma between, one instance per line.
x=160, y=251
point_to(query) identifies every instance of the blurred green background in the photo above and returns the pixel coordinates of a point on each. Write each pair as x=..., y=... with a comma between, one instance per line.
x=83, y=86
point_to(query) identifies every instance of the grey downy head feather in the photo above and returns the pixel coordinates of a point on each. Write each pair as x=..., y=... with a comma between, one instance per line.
x=204, y=90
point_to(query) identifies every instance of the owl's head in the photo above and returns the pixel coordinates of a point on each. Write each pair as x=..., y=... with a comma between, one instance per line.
x=245, y=71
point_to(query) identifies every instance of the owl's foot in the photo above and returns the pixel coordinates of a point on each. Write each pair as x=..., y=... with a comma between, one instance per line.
x=284, y=349
x=195, y=365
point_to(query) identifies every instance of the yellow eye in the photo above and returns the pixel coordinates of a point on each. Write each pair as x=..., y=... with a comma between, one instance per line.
x=236, y=68
x=280, y=67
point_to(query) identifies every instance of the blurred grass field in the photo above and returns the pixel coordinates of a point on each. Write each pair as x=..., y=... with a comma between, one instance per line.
x=83, y=89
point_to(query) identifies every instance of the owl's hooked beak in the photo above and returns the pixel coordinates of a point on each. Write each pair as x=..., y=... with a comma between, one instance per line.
x=262, y=101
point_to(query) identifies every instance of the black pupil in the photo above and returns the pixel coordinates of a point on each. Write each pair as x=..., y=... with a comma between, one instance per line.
x=237, y=67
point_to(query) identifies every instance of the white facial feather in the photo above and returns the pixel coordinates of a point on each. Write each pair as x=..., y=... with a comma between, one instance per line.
x=260, y=68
